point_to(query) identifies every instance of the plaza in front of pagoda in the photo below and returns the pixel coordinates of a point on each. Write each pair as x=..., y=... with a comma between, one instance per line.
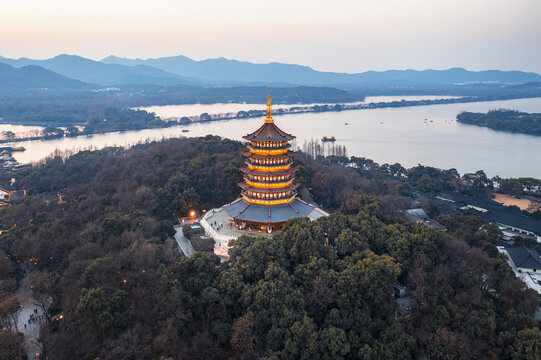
x=268, y=196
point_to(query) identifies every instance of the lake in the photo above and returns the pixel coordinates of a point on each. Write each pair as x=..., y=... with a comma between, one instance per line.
x=385, y=135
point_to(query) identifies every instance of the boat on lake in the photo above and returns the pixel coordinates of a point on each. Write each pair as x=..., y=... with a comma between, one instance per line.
x=185, y=130
x=326, y=139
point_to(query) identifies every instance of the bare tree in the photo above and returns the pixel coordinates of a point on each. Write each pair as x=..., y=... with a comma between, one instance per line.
x=9, y=311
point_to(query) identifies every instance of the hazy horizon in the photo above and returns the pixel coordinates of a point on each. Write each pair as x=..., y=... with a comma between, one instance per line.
x=342, y=36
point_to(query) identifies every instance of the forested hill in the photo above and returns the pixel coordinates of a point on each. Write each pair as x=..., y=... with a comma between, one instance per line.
x=504, y=120
x=32, y=78
x=316, y=290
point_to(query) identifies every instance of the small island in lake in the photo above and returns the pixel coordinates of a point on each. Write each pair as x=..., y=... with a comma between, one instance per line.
x=504, y=120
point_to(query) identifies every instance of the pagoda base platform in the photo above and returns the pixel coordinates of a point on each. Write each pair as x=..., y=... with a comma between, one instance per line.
x=248, y=213
x=223, y=226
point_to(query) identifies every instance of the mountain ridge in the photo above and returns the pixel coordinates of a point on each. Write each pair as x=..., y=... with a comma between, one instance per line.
x=91, y=71
x=32, y=77
x=227, y=69
x=222, y=72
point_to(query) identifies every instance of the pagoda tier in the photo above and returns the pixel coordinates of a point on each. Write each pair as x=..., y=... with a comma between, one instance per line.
x=268, y=151
x=269, y=164
x=251, y=155
x=269, y=187
x=268, y=177
x=284, y=191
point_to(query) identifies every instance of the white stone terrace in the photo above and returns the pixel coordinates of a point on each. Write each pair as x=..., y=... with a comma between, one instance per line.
x=219, y=224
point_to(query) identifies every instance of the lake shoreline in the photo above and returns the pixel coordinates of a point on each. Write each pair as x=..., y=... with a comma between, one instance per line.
x=299, y=109
x=428, y=135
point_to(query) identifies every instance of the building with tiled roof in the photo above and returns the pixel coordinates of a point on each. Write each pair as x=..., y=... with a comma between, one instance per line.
x=9, y=194
x=525, y=259
x=269, y=190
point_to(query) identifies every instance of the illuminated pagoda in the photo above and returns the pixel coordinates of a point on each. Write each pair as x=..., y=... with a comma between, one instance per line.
x=269, y=191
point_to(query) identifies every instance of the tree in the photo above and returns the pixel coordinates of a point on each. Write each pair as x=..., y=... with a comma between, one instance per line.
x=11, y=345
x=511, y=186
x=9, y=135
x=426, y=184
x=204, y=117
x=301, y=340
x=527, y=344
x=42, y=289
x=243, y=336
x=52, y=132
x=333, y=343
x=9, y=311
x=72, y=131
x=6, y=267
x=95, y=310
x=446, y=345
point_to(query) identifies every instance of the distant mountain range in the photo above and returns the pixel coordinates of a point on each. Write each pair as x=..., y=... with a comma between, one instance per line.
x=222, y=69
x=176, y=70
x=96, y=72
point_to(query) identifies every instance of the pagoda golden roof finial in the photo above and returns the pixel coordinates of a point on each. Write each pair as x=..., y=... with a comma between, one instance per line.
x=269, y=118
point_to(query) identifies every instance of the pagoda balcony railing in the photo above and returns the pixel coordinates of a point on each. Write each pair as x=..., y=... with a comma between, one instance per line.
x=270, y=149
x=290, y=196
x=283, y=162
x=271, y=166
x=268, y=181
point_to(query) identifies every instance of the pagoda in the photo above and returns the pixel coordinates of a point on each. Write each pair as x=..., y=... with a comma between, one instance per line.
x=269, y=190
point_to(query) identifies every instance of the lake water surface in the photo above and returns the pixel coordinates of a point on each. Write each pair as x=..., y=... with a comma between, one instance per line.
x=386, y=135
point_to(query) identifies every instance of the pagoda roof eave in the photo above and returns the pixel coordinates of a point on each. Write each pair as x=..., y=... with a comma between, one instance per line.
x=269, y=132
x=242, y=210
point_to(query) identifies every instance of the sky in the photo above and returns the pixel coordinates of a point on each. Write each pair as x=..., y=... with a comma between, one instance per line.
x=337, y=35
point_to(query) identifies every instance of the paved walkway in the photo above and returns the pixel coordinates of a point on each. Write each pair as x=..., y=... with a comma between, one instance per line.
x=31, y=330
x=219, y=225
x=184, y=244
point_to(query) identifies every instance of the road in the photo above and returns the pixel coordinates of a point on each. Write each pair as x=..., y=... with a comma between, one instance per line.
x=183, y=243
x=29, y=329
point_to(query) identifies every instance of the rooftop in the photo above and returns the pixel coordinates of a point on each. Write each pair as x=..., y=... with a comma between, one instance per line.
x=532, y=280
x=495, y=212
x=512, y=218
x=419, y=213
x=269, y=132
x=245, y=211
x=524, y=257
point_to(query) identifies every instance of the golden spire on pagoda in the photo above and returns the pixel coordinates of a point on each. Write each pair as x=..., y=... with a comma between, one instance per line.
x=269, y=118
